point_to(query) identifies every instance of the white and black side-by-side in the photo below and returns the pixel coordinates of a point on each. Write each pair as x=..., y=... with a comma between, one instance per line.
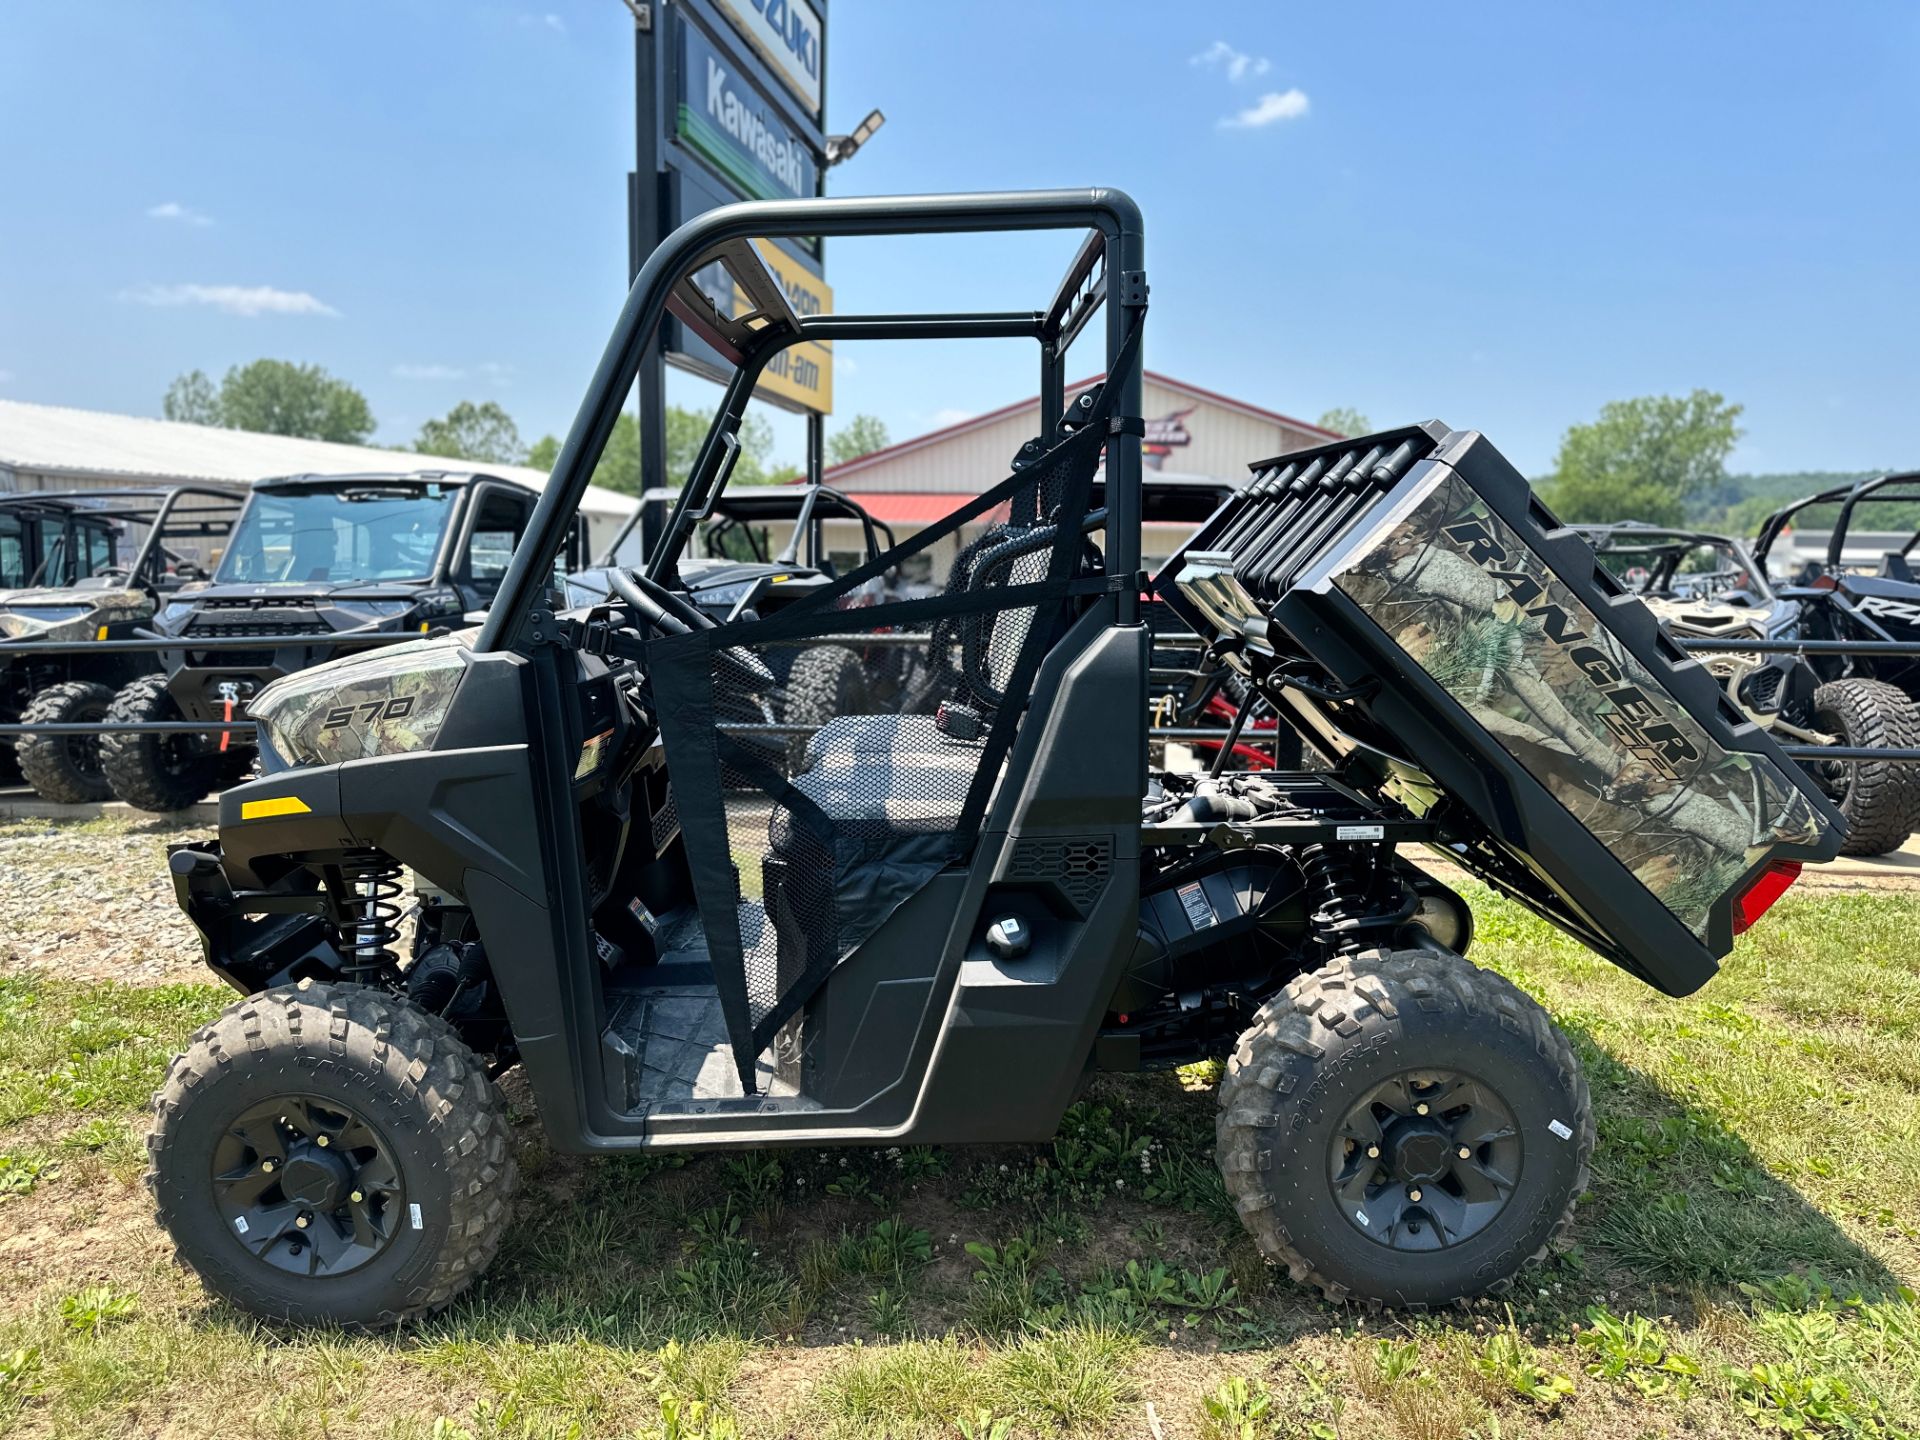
x=782, y=855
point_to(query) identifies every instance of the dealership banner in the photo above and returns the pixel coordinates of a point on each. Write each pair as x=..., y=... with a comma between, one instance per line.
x=727, y=123
x=786, y=33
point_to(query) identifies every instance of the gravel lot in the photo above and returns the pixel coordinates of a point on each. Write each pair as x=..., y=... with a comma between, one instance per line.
x=91, y=900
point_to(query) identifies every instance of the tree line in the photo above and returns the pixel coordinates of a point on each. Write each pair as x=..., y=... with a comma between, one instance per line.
x=278, y=397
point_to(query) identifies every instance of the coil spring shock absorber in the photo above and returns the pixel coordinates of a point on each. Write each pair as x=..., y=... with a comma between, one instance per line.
x=1339, y=876
x=371, y=880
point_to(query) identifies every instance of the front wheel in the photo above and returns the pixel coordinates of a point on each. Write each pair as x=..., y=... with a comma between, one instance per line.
x=332, y=1154
x=150, y=770
x=65, y=768
x=1404, y=1128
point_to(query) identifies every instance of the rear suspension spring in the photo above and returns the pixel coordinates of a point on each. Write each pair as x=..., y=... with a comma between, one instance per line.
x=371, y=881
x=1340, y=878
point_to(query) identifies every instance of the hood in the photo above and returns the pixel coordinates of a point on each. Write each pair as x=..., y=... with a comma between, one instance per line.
x=1709, y=617
x=67, y=613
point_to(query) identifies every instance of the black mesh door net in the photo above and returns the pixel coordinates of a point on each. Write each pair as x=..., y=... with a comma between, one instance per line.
x=828, y=760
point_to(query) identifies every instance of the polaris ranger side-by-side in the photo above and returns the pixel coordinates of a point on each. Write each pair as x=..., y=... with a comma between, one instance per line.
x=90, y=565
x=311, y=555
x=933, y=927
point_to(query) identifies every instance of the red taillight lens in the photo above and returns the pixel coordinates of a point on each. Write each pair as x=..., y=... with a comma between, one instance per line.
x=1768, y=886
x=1825, y=582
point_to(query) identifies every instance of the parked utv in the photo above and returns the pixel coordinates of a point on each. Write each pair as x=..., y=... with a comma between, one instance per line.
x=89, y=565
x=934, y=927
x=1711, y=587
x=1863, y=699
x=334, y=556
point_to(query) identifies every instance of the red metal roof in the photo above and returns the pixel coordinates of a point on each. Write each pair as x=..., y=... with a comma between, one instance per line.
x=900, y=508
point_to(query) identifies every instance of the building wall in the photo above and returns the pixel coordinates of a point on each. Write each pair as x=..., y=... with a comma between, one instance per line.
x=1220, y=440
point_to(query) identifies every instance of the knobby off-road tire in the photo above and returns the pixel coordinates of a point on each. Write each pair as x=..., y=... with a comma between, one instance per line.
x=151, y=771
x=408, y=1079
x=826, y=681
x=1881, y=800
x=65, y=768
x=1367, y=1024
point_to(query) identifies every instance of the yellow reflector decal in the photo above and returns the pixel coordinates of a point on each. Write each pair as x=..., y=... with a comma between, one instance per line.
x=425, y=625
x=280, y=805
x=103, y=633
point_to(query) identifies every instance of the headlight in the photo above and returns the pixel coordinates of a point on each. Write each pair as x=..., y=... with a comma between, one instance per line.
x=25, y=620
x=176, y=611
x=387, y=703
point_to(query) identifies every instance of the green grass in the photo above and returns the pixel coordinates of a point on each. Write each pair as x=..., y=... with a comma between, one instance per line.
x=1740, y=1267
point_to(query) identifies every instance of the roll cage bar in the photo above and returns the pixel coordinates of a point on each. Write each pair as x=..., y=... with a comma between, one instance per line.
x=1635, y=536
x=800, y=504
x=123, y=505
x=1847, y=497
x=1109, y=266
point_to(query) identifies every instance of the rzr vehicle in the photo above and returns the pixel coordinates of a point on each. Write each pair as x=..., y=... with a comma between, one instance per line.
x=1711, y=587
x=1863, y=699
x=933, y=928
x=333, y=555
x=89, y=565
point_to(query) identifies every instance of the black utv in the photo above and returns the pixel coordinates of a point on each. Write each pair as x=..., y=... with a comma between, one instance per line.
x=89, y=565
x=934, y=927
x=1865, y=699
x=336, y=556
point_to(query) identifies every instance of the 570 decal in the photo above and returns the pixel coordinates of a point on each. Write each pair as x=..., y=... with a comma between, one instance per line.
x=372, y=711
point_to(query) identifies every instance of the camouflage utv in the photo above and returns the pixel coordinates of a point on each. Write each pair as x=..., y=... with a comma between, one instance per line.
x=90, y=565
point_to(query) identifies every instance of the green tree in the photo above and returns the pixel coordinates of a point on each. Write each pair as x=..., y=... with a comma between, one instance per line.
x=1643, y=459
x=1345, y=422
x=619, y=467
x=274, y=397
x=192, y=398
x=485, y=433
x=861, y=435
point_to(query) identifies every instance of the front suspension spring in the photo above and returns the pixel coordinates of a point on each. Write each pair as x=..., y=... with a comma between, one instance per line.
x=371, y=881
x=1340, y=878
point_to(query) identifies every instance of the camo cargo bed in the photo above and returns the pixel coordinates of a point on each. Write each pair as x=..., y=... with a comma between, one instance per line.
x=1428, y=623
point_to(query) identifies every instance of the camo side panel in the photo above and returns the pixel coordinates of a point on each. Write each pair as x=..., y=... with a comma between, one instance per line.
x=1473, y=606
x=387, y=703
x=103, y=607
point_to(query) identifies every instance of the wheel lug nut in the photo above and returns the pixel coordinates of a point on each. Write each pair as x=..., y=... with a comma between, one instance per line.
x=303, y=1220
x=1421, y=1108
x=356, y=1197
x=1373, y=1152
x=323, y=1142
x=269, y=1166
x=1413, y=1195
x=1465, y=1153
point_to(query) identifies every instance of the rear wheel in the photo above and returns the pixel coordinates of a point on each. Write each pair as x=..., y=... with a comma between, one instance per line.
x=153, y=771
x=1880, y=799
x=1404, y=1128
x=65, y=768
x=826, y=682
x=332, y=1154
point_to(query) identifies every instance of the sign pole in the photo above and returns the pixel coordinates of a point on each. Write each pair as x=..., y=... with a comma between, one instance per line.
x=647, y=230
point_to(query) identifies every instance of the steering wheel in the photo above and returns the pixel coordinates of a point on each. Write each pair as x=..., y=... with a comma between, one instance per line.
x=676, y=615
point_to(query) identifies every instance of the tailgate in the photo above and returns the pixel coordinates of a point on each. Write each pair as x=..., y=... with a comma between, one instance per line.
x=1435, y=632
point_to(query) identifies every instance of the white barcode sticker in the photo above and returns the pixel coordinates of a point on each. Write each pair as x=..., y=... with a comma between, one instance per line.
x=1359, y=832
x=240, y=1224
x=1361, y=1216
x=413, y=1214
x=1561, y=1130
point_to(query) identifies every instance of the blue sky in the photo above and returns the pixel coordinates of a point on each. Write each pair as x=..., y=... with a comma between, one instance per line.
x=1500, y=214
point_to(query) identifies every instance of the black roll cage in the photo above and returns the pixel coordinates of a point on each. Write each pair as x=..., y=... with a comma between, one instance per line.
x=800, y=504
x=122, y=504
x=1847, y=497
x=1637, y=537
x=1109, y=266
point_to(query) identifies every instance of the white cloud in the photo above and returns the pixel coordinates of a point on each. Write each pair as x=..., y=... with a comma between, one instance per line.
x=494, y=372
x=428, y=372
x=546, y=20
x=1275, y=105
x=180, y=214
x=247, y=300
x=1237, y=64
x=943, y=418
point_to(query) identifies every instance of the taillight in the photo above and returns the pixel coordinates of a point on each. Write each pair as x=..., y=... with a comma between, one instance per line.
x=1768, y=886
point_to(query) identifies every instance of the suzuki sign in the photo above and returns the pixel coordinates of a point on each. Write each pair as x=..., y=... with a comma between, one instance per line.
x=787, y=34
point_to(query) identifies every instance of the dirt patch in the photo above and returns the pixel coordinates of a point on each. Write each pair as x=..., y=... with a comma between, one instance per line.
x=93, y=901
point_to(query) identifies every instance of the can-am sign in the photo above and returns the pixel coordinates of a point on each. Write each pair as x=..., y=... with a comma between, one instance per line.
x=731, y=127
x=787, y=35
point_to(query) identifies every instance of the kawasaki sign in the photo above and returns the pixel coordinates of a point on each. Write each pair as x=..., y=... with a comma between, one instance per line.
x=787, y=35
x=727, y=124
